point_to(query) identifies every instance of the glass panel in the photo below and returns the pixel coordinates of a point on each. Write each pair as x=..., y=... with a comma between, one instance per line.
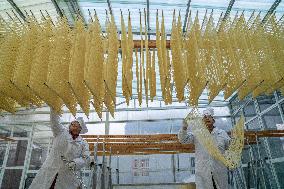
x=249, y=111
x=272, y=119
x=29, y=180
x=257, y=163
x=245, y=155
x=176, y=126
x=269, y=179
x=117, y=128
x=253, y=125
x=250, y=5
x=236, y=103
x=265, y=101
x=156, y=127
x=5, y=131
x=96, y=129
x=282, y=107
x=276, y=147
x=280, y=10
x=21, y=131
x=3, y=146
x=5, y=9
x=279, y=94
x=279, y=168
x=17, y=153
x=38, y=156
x=11, y=179
x=36, y=6
x=131, y=128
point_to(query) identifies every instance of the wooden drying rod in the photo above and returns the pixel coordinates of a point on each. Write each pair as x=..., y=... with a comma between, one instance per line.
x=157, y=144
x=151, y=43
x=153, y=144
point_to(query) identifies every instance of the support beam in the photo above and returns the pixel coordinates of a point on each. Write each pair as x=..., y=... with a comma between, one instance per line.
x=58, y=10
x=148, y=18
x=271, y=10
x=186, y=16
x=229, y=9
x=109, y=6
x=17, y=9
x=77, y=10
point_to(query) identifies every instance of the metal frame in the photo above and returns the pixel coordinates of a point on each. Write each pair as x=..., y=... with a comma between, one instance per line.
x=259, y=117
x=17, y=9
x=186, y=16
x=109, y=7
x=271, y=10
x=58, y=10
x=229, y=9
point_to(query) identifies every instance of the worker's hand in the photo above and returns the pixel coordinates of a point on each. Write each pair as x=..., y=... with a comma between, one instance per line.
x=71, y=165
x=185, y=125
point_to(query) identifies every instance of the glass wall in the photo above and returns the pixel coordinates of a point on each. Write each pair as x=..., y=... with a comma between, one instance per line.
x=262, y=160
x=32, y=140
x=13, y=155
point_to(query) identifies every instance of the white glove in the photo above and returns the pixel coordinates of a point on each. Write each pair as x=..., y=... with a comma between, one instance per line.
x=71, y=165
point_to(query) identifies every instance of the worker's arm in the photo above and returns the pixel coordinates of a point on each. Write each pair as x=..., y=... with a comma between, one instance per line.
x=56, y=127
x=185, y=137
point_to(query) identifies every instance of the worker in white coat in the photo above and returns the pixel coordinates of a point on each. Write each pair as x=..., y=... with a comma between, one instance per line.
x=67, y=143
x=209, y=173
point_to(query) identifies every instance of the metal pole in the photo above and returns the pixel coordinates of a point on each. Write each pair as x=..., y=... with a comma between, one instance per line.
x=186, y=16
x=251, y=167
x=267, y=147
x=109, y=165
x=117, y=169
x=94, y=179
x=103, y=168
x=174, y=167
x=260, y=162
x=107, y=123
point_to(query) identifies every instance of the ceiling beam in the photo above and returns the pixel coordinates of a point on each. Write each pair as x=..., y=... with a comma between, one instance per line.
x=271, y=10
x=148, y=18
x=229, y=8
x=58, y=10
x=17, y=9
x=77, y=10
x=186, y=15
x=109, y=7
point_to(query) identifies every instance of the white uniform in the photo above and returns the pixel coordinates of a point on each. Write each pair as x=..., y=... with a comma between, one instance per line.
x=205, y=165
x=63, y=145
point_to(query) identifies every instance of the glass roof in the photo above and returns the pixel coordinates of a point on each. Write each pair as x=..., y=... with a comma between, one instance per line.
x=134, y=6
x=88, y=7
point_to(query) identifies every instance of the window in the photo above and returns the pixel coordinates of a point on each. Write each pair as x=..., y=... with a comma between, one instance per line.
x=265, y=101
x=11, y=178
x=253, y=125
x=272, y=118
x=249, y=111
x=141, y=167
x=3, y=146
x=17, y=153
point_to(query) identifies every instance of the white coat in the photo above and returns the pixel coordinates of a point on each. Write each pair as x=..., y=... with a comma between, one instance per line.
x=63, y=145
x=205, y=165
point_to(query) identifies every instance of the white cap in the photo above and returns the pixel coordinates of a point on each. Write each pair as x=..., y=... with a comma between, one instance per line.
x=208, y=112
x=83, y=125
